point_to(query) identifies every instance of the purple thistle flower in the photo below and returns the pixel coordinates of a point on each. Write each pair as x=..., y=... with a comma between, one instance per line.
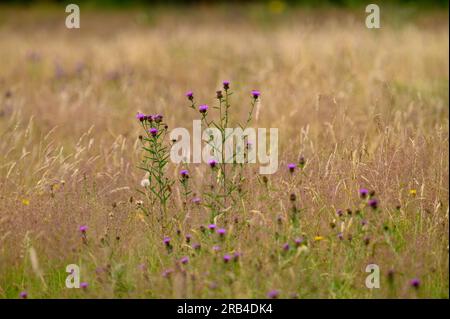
x=236, y=256
x=157, y=118
x=291, y=167
x=226, y=85
x=196, y=200
x=212, y=163
x=363, y=192
x=216, y=248
x=188, y=238
x=196, y=246
x=23, y=295
x=212, y=226
x=84, y=285
x=373, y=203
x=83, y=229
x=190, y=95
x=415, y=283
x=273, y=294
x=166, y=241
x=364, y=222
x=166, y=273
x=184, y=260
x=153, y=131
x=340, y=212
x=219, y=94
x=341, y=236
x=203, y=108
x=221, y=231
x=298, y=241
x=286, y=247
x=256, y=94
x=184, y=173
x=226, y=258
x=140, y=116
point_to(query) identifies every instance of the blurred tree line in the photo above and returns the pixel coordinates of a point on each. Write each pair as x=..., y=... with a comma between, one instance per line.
x=310, y=3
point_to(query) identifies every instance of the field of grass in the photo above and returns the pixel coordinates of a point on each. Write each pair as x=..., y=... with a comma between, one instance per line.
x=364, y=108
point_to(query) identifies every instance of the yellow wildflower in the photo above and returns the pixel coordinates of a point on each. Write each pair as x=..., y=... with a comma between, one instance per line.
x=412, y=192
x=26, y=202
x=318, y=238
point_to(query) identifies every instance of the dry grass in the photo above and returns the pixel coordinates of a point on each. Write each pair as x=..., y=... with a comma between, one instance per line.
x=366, y=108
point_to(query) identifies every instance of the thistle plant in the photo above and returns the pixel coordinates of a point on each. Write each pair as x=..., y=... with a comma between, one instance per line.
x=154, y=162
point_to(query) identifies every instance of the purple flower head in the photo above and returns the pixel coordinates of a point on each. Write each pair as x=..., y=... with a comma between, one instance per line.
x=373, y=203
x=236, y=256
x=184, y=173
x=286, y=246
x=203, y=108
x=364, y=222
x=83, y=229
x=340, y=212
x=212, y=226
x=140, y=116
x=256, y=94
x=212, y=163
x=188, y=238
x=166, y=273
x=226, y=85
x=226, y=258
x=341, y=236
x=219, y=94
x=363, y=192
x=190, y=95
x=184, y=260
x=23, y=295
x=291, y=167
x=273, y=294
x=415, y=283
x=84, y=285
x=153, y=131
x=157, y=118
x=196, y=246
x=298, y=241
x=166, y=241
x=216, y=248
x=196, y=200
x=221, y=231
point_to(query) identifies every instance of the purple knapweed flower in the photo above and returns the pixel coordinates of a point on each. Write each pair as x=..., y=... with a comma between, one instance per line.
x=83, y=229
x=219, y=95
x=184, y=173
x=340, y=212
x=291, y=167
x=216, y=248
x=226, y=85
x=157, y=118
x=23, y=295
x=188, y=238
x=221, y=231
x=190, y=95
x=184, y=260
x=212, y=226
x=373, y=203
x=203, y=108
x=212, y=163
x=153, y=131
x=84, y=285
x=298, y=241
x=256, y=94
x=166, y=273
x=196, y=200
x=415, y=283
x=236, y=256
x=286, y=246
x=140, y=116
x=196, y=246
x=166, y=241
x=273, y=294
x=341, y=236
x=363, y=192
x=226, y=258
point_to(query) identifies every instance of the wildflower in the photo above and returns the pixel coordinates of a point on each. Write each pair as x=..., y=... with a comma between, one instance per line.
x=190, y=95
x=188, y=238
x=216, y=248
x=363, y=193
x=367, y=240
x=212, y=226
x=184, y=260
x=145, y=182
x=364, y=222
x=184, y=174
x=203, y=108
x=212, y=163
x=373, y=203
x=318, y=238
x=286, y=247
x=221, y=232
x=26, y=202
x=84, y=285
x=196, y=200
x=157, y=118
x=23, y=295
x=291, y=167
x=166, y=273
x=415, y=283
x=301, y=161
x=412, y=192
x=341, y=236
x=298, y=241
x=256, y=94
x=226, y=258
x=273, y=294
x=292, y=197
x=196, y=246
x=339, y=212
x=226, y=85
x=140, y=116
x=153, y=131
x=219, y=95
x=236, y=256
x=83, y=229
x=166, y=241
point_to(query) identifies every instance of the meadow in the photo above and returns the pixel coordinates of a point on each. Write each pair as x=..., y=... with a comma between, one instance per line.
x=363, y=175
